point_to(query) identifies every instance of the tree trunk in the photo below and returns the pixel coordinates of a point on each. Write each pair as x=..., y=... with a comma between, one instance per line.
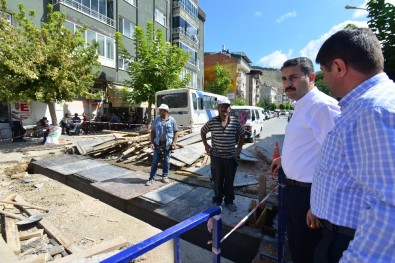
x=52, y=112
x=149, y=110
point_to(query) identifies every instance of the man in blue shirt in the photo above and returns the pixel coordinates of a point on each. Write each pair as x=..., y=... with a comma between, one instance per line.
x=164, y=132
x=353, y=190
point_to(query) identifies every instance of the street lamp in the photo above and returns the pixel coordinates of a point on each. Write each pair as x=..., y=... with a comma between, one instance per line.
x=354, y=7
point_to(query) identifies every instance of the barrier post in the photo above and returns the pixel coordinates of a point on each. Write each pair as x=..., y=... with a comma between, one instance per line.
x=216, y=235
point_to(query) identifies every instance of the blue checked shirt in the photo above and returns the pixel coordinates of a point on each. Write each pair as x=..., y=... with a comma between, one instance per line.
x=354, y=180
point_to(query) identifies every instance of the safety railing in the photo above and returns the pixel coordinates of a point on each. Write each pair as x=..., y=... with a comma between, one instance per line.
x=174, y=233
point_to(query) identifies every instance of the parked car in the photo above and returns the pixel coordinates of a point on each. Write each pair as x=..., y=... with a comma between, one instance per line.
x=252, y=118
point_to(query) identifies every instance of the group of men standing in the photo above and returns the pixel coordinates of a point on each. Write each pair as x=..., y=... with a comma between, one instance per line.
x=338, y=155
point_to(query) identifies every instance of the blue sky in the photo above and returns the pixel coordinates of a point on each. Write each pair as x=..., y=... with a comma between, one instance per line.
x=272, y=31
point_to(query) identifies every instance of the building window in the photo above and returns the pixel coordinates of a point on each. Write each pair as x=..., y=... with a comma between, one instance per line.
x=126, y=27
x=191, y=52
x=160, y=17
x=185, y=28
x=6, y=16
x=189, y=7
x=193, y=81
x=132, y=2
x=123, y=63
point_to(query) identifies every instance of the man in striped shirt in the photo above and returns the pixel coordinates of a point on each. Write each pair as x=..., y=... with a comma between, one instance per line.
x=353, y=190
x=225, y=130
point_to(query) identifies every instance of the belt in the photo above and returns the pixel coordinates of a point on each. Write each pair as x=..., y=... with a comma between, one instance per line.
x=297, y=183
x=338, y=229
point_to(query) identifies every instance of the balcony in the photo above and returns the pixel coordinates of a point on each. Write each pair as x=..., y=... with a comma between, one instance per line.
x=192, y=40
x=86, y=10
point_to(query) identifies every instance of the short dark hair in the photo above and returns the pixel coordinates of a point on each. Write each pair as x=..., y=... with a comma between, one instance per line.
x=306, y=65
x=359, y=48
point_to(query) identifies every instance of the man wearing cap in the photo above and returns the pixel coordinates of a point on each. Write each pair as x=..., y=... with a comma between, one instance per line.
x=164, y=132
x=224, y=156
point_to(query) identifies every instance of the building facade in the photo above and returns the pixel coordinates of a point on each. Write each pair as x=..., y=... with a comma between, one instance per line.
x=182, y=22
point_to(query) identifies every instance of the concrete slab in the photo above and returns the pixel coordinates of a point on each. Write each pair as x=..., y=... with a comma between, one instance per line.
x=186, y=155
x=54, y=162
x=198, y=200
x=169, y=192
x=241, y=179
x=102, y=173
x=75, y=167
x=246, y=155
x=129, y=186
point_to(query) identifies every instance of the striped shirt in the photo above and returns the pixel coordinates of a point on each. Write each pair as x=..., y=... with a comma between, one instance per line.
x=354, y=180
x=223, y=139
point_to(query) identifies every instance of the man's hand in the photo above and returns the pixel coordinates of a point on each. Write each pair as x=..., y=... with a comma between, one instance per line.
x=238, y=151
x=312, y=221
x=275, y=166
x=173, y=145
x=152, y=146
x=208, y=149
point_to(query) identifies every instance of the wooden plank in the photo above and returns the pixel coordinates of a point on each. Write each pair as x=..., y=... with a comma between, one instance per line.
x=6, y=253
x=29, y=235
x=51, y=229
x=25, y=205
x=12, y=235
x=103, y=247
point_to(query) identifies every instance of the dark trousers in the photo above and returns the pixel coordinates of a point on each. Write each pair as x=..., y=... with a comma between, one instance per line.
x=332, y=244
x=302, y=240
x=223, y=171
x=17, y=131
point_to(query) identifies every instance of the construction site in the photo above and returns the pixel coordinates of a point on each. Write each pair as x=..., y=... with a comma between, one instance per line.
x=85, y=199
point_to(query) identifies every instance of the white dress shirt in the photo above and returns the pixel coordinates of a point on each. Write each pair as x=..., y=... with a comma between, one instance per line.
x=311, y=121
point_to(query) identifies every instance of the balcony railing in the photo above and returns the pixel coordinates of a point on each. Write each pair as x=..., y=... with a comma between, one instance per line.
x=86, y=10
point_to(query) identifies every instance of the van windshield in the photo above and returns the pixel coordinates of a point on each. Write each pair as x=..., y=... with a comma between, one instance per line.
x=174, y=100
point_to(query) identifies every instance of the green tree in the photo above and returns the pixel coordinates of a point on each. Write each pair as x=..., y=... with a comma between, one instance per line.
x=381, y=21
x=320, y=84
x=222, y=81
x=239, y=102
x=272, y=106
x=156, y=66
x=264, y=103
x=52, y=63
x=281, y=106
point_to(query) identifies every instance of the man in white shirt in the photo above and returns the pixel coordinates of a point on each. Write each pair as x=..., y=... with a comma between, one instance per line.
x=313, y=117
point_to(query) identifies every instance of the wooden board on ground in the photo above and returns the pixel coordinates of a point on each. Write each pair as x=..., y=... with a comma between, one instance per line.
x=6, y=253
x=129, y=186
x=85, y=146
x=192, y=139
x=103, y=247
x=54, y=232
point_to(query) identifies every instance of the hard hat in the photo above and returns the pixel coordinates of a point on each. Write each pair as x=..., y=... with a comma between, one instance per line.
x=163, y=107
x=223, y=101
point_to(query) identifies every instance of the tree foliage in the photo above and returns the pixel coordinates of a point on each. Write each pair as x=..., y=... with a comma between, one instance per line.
x=239, y=102
x=222, y=81
x=46, y=64
x=320, y=84
x=156, y=66
x=265, y=103
x=381, y=21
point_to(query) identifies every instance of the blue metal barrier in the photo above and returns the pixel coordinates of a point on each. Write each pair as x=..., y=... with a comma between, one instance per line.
x=173, y=233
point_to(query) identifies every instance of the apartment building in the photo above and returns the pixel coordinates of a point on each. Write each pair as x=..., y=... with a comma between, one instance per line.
x=239, y=67
x=182, y=22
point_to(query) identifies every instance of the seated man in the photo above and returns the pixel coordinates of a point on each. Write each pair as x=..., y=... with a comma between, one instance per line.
x=66, y=124
x=43, y=126
x=86, y=125
x=77, y=122
x=16, y=127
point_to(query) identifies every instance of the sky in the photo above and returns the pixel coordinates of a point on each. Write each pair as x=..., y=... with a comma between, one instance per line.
x=271, y=31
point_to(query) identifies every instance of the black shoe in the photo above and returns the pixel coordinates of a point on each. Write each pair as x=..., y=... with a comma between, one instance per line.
x=231, y=207
x=215, y=203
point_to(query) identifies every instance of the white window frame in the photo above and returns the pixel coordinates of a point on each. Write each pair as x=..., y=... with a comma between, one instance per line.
x=8, y=16
x=123, y=64
x=160, y=17
x=122, y=28
x=132, y=2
